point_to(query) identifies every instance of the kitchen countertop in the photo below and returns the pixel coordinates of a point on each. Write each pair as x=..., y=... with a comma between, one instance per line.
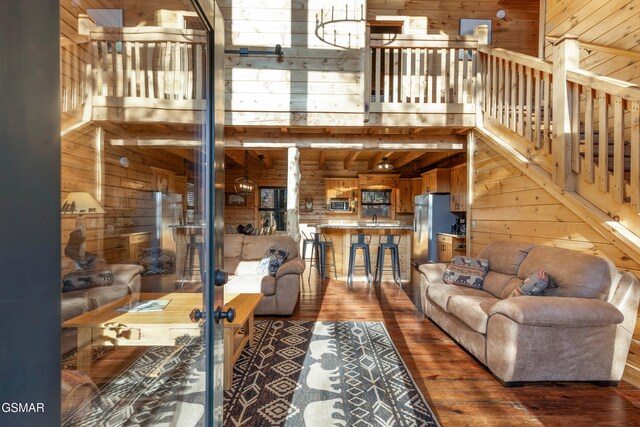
x=367, y=225
x=457, y=236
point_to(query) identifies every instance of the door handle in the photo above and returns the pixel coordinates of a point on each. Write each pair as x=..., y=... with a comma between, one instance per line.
x=196, y=315
x=220, y=314
x=220, y=277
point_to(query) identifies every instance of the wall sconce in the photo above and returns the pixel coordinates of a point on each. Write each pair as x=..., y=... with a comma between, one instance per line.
x=501, y=14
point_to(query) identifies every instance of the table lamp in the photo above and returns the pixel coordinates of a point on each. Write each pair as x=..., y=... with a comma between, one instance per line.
x=79, y=204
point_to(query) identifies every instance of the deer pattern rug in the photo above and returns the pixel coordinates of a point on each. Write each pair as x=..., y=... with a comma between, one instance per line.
x=297, y=373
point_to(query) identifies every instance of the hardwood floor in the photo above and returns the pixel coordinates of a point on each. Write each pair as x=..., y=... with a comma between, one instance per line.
x=458, y=388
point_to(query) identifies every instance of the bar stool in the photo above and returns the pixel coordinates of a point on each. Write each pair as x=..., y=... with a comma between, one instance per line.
x=360, y=241
x=195, y=243
x=306, y=241
x=318, y=254
x=390, y=242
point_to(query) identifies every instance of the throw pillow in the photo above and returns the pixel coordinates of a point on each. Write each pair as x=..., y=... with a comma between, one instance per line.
x=465, y=271
x=87, y=278
x=272, y=261
x=535, y=284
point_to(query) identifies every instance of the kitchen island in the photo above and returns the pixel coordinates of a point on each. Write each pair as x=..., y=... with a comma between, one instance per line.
x=340, y=234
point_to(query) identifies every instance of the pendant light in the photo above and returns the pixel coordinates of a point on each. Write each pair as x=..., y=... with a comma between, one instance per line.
x=244, y=186
x=384, y=165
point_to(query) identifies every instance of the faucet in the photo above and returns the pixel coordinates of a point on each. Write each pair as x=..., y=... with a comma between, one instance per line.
x=375, y=219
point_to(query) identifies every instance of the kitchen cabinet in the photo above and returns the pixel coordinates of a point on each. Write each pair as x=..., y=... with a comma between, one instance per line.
x=450, y=246
x=408, y=189
x=459, y=188
x=342, y=188
x=436, y=181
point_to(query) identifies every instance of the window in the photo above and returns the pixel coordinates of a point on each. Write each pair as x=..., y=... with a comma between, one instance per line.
x=376, y=202
x=273, y=207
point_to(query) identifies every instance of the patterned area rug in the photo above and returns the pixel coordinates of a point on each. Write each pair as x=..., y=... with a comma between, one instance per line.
x=298, y=373
x=323, y=374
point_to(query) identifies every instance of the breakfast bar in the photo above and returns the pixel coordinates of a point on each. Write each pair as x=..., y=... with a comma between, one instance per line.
x=340, y=234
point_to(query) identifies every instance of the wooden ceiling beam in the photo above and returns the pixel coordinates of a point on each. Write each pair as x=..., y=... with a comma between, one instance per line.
x=406, y=158
x=157, y=143
x=350, y=159
x=264, y=157
x=378, y=157
x=236, y=156
x=394, y=142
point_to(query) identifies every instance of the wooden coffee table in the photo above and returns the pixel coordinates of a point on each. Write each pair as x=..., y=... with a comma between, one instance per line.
x=106, y=327
x=239, y=333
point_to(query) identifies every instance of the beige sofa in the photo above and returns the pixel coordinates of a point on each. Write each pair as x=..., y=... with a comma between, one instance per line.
x=126, y=280
x=579, y=331
x=242, y=254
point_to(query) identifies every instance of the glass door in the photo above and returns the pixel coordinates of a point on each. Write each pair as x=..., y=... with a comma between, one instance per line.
x=141, y=229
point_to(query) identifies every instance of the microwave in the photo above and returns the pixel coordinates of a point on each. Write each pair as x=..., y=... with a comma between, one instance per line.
x=339, y=205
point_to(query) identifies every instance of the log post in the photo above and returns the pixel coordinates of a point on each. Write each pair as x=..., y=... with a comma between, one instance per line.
x=293, y=194
x=566, y=55
x=482, y=34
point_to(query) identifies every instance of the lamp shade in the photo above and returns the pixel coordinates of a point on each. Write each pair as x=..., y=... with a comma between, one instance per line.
x=81, y=203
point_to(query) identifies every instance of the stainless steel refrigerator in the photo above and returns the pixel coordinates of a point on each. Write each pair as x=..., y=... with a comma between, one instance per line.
x=431, y=215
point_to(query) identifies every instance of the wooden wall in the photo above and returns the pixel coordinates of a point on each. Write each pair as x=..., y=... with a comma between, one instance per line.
x=613, y=23
x=320, y=70
x=518, y=31
x=507, y=205
x=312, y=183
x=124, y=193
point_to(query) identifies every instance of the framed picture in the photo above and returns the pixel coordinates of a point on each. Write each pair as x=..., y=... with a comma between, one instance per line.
x=233, y=199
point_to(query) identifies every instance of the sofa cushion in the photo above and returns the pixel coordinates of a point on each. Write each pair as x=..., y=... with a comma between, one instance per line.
x=575, y=274
x=441, y=294
x=107, y=294
x=251, y=284
x=125, y=273
x=74, y=304
x=233, y=245
x=255, y=246
x=473, y=310
x=505, y=256
x=465, y=271
x=495, y=282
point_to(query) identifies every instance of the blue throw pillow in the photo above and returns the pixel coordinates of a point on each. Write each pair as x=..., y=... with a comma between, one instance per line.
x=272, y=261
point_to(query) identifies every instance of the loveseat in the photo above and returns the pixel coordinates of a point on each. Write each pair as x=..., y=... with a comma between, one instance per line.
x=578, y=331
x=242, y=255
x=126, y=280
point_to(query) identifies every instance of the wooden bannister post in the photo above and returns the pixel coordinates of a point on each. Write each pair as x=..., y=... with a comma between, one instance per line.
x=293, y=194
x=566, y=54
x=366, y=74
x=482, y=34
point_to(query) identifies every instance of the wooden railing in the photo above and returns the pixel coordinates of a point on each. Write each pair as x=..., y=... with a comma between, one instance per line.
x=148, y=62
x=582, y=128
x=419, y=70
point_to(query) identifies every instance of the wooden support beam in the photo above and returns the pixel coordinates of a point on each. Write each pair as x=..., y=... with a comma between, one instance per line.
x=566, y=55
x=394, y=142
x=293, y=194
x=321, y=160
x=407, y=157
x=350, y=159
x=378, y=157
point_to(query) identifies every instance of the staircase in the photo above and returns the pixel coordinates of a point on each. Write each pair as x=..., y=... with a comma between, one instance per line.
x=575, y=133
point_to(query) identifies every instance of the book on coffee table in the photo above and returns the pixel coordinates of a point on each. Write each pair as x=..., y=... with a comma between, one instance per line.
x=144, y=305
